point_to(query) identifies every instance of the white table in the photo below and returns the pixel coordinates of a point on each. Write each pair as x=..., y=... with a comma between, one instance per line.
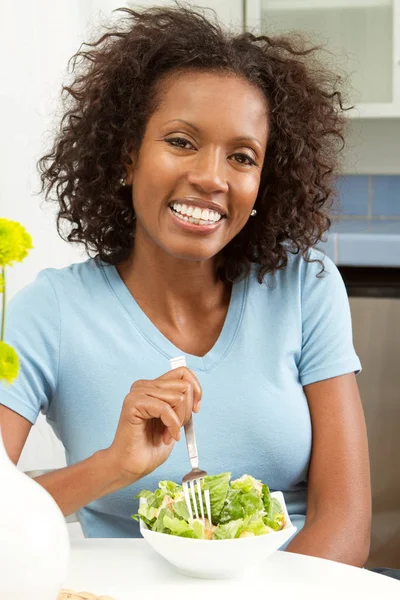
x=129, y=569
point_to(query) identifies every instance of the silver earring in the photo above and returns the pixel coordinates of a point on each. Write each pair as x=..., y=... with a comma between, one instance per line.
x=122, y=181
x=253, y=212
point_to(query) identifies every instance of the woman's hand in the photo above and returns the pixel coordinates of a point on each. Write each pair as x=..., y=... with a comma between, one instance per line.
x=151, y=418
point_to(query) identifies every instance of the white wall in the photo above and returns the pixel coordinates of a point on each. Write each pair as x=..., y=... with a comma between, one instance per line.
x=36, y=41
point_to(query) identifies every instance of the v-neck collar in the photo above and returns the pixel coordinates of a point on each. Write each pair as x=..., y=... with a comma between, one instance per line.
x=158, y=340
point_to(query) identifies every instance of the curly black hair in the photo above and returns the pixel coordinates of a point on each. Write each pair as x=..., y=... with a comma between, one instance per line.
x=113, y=93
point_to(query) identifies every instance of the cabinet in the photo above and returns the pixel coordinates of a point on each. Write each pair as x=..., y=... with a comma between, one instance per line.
x=362, y=38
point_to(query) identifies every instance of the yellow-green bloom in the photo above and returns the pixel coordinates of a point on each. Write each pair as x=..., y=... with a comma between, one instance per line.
x=9, y=363
x=15, y=242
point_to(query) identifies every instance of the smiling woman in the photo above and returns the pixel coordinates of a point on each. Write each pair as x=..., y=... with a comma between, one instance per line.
x=197, y=168
x=205, y=160
x=166, y=77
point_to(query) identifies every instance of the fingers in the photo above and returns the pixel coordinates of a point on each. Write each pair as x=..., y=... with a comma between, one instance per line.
x=178, y=394
x=187, y=375
x=147, y=408
x=183, y=391
x=171, y=399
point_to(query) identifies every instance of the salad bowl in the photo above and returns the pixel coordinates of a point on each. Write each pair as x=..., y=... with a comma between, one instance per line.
x=218, y=558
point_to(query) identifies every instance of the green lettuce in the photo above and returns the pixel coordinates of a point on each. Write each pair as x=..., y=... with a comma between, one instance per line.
x=218, y=486
x=275, y=517
x=193, y=529
x=266, y=496
x=181, y=510
x=228, y=531
x=239, y=505
x=255, y=526
x=246, y=484
x=239, y=508
x=170, y=488
x=159, y=524
x=147, y=513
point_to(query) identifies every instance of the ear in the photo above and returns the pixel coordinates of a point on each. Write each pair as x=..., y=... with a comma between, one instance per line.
x=130, y=168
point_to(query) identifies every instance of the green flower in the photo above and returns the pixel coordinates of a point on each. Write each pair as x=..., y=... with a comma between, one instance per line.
x=9, y=363
x=15, y=242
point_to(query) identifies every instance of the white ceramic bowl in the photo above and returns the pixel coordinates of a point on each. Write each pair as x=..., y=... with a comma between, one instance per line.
x=218, y=559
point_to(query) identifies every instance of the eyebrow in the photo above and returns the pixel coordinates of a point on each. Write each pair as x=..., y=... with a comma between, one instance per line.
x=239, y=138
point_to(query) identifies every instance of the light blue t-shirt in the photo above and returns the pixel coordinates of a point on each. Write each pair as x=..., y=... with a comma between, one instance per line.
x=83, y=340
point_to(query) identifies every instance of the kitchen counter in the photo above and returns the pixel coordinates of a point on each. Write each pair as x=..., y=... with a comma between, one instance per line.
x=364, y=243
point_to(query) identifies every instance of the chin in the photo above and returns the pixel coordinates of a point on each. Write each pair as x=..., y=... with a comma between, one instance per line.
x=189, y=247
x=193, y=256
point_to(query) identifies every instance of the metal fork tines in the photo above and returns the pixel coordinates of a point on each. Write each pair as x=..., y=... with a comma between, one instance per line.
x=192, y=481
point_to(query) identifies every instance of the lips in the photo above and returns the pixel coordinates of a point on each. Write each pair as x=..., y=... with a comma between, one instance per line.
x=191, y=225
x=199, y=203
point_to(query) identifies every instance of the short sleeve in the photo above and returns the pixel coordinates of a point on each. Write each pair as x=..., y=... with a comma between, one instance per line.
x=327, y=338
x=33, y=329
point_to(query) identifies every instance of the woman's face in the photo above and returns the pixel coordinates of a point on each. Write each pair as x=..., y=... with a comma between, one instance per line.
x=196, y=176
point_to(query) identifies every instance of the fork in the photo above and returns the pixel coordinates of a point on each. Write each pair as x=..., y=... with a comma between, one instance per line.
x=193, y=479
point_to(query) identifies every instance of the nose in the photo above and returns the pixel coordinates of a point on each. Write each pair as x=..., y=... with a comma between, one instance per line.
x=209, y=172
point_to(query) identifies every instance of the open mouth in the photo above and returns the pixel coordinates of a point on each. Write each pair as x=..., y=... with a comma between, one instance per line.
x=195, y=215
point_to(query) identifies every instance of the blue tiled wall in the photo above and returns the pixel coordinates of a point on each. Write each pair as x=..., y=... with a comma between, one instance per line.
x=367, y=232
x=386, y=195
x=369, y=196
x=354, y=193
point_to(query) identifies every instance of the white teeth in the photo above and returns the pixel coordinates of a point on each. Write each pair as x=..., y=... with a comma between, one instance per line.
x=192, y=220
x=197, y=213
x=204, y=215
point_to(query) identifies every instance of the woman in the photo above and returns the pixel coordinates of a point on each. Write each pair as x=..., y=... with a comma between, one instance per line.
x=197, y=167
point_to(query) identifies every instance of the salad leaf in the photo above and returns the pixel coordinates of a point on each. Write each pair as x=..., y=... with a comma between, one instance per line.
x=246, y=483
x=241, y=508
x=228, y=531
x=148, y=512
x=275, y=517
x=180, y=509
x=218, y=485
x=170, y=487
x=159, y=523
x=145, y=494
x=194, y=529
x=256, y=526
x=241, y=504
x=266, y=496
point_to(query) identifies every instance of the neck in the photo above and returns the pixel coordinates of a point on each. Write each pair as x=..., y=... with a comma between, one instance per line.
x=170, y=286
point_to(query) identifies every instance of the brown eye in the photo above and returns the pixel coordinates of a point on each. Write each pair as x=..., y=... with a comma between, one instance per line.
x=179, y=142
x=244, y=159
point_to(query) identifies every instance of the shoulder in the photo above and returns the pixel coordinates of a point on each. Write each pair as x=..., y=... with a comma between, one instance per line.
x=306, y=286
x=315, y=270
x=76, y=283
x=313, y=267
x=80, y=275
x=43, y=295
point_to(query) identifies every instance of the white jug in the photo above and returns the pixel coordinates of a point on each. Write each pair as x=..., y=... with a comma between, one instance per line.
x=34, y=542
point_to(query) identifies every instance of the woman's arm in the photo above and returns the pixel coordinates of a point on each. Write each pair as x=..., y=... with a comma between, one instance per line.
x=14, y=431
x=339, y=492
x=151, y=418
x=71, y=487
